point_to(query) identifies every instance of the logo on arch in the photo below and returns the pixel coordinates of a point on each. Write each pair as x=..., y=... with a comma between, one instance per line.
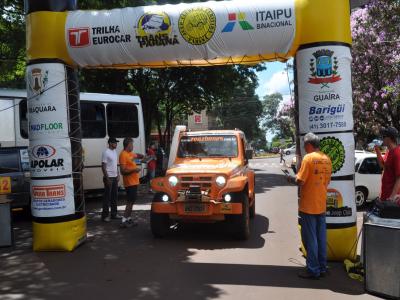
x=234, y=18
x=324, y=68
x=79, y=37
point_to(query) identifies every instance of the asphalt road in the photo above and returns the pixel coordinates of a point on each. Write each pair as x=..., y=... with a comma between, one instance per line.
x=194, y=262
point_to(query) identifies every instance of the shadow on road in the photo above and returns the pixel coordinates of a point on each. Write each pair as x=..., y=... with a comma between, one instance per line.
x=267, y=181
x=119, y=263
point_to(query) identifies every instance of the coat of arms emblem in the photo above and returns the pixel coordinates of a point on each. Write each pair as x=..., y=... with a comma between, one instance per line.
x=324, y=68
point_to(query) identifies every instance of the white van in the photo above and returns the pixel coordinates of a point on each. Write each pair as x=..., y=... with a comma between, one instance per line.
x=102, y=115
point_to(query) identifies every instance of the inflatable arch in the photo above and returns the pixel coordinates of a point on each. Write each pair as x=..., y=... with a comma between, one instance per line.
x=61, y=38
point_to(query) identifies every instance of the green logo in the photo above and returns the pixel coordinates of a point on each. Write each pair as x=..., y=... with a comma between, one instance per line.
x=334, y=148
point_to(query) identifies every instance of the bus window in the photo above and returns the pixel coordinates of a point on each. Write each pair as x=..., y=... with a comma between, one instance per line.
x=93, y=120
x=122, y=120
x=23, y=119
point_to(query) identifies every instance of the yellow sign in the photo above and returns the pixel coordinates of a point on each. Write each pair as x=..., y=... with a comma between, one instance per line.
x=5, y=185
x=197, y=25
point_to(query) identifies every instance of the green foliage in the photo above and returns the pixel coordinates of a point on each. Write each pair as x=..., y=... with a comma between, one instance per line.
x=12, y=44
x=241, y=108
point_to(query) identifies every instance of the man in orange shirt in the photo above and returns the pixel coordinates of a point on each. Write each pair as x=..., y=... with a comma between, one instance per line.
x=313, y=178
x=130, y=174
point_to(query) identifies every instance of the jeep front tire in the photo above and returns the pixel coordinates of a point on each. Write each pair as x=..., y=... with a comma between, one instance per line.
x=253, y=208
x=241, y=223
x=159, y=224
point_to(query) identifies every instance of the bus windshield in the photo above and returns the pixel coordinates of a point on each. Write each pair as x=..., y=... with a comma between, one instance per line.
x=208, y=146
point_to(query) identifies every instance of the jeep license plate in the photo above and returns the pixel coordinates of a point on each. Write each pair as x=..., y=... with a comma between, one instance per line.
x=195, y=208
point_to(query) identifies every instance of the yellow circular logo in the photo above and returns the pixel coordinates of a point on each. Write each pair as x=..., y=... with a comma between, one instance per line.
x=197, y=25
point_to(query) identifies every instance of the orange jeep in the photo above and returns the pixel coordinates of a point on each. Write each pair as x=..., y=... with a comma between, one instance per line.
x=209, y=181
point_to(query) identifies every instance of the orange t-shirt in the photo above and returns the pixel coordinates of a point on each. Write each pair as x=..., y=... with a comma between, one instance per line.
x=127, y=159
x=315, y=172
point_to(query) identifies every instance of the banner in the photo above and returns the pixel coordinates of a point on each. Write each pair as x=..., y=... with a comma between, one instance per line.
x=47, y=101
x=53, y=197
x=50, y=157
x=203, y=31
x=324, y=86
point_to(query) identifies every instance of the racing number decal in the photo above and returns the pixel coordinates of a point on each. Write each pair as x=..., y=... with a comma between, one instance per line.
x=5, y=185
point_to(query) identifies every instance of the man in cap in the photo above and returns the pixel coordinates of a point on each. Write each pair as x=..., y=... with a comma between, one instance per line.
x=109, y=166
x=390, y=163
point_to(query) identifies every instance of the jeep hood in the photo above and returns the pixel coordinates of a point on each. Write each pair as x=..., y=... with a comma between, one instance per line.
x=209, y=166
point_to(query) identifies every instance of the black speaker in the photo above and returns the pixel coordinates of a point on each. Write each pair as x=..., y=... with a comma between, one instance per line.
x=382, y=257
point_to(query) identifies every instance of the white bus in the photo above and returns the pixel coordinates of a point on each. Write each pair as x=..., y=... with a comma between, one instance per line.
x=102, y=115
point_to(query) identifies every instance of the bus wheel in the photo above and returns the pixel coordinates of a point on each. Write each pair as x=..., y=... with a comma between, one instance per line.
x=159, y=224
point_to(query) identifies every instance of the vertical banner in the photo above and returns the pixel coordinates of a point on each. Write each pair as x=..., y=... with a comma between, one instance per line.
x=55, y=157
x=49, y=143
x=326, y=108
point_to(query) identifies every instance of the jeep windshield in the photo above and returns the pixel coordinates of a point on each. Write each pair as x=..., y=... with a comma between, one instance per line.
x=208, y=146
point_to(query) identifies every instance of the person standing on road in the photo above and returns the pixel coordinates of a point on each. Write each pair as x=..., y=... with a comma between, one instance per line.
x=130, y=174
x=313, y=178
x=109, y=166
x=281, y=154
x=152, y=163
x=390, y=163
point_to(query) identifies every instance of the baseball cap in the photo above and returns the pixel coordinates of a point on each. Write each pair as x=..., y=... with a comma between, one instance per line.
x=112, y=140
x=390, y=132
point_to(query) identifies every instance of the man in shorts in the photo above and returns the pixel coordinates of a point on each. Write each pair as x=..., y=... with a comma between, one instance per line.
x=130, y=174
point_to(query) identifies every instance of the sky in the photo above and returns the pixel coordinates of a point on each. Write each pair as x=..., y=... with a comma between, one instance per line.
x=274, y=80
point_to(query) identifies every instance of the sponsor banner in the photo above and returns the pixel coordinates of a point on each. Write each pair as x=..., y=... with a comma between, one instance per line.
x=340, y=202
x=340, y=148
x=324, y=89
x=47, y=101
x=180, y=32
x=52, y=198
x=50, y=157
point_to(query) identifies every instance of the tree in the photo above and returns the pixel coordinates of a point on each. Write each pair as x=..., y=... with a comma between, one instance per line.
x=241, y=108
x=278, y=117
x=376, y=65
x=12, y=44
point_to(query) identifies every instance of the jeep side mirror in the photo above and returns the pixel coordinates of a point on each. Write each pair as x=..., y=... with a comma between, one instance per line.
x=249, y=154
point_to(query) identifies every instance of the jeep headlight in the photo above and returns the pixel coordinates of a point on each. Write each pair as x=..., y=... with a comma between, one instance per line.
x=220, y=181
x=173, y=181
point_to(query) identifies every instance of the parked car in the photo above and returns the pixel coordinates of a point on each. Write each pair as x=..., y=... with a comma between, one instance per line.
x=260, y=152
x=15, y=176
x=275, y=150
x=367, y=177
x=376, y=142
x=289, y=151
